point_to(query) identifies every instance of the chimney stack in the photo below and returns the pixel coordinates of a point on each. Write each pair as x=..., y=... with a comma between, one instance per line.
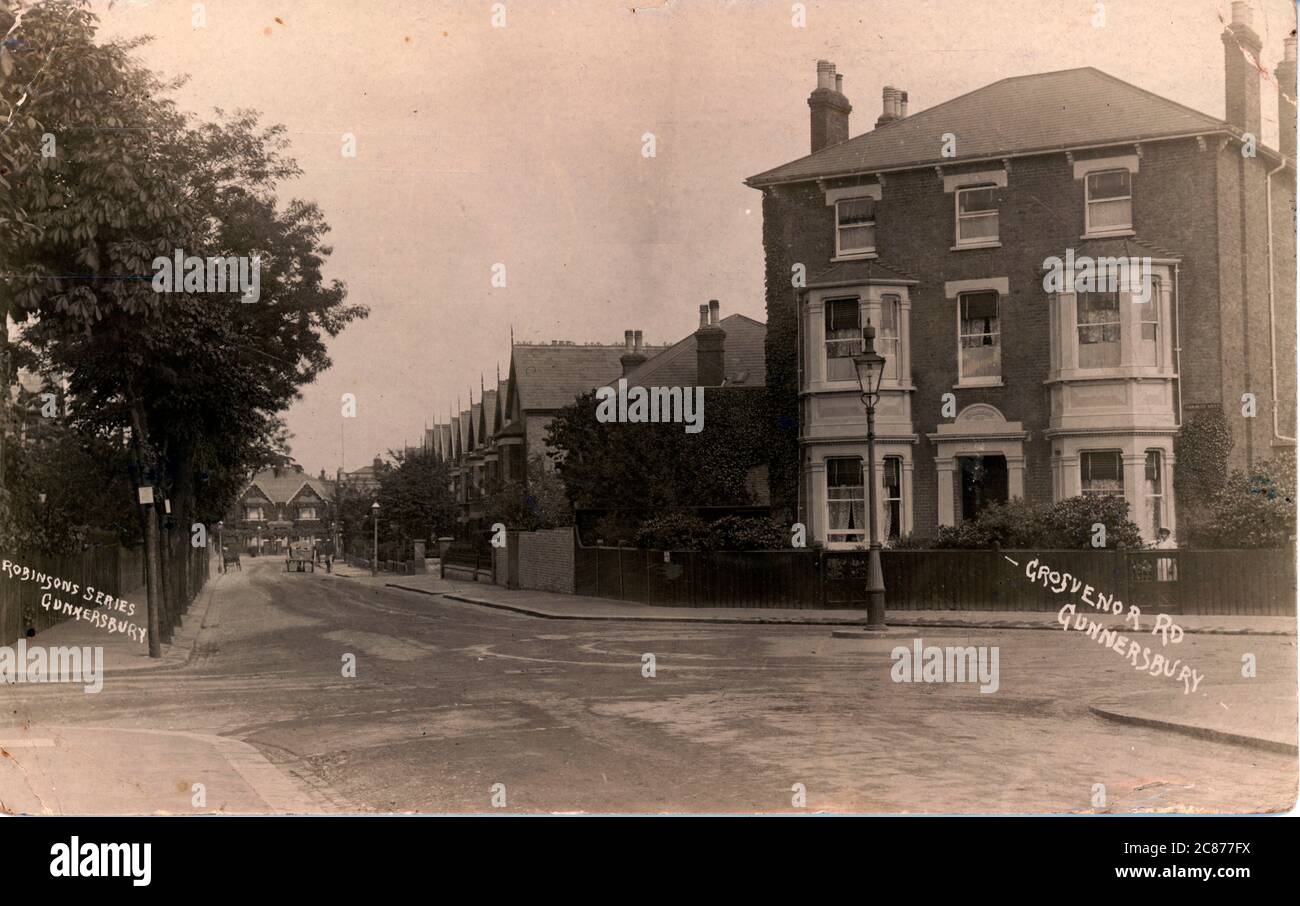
x=710, y=348
x=1241, y=75
x=893, y=105
x=1286, y=99
x=631, y=356
x=829, y=108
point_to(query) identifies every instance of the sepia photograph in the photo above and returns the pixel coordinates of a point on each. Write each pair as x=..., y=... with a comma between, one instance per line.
x=702, y=410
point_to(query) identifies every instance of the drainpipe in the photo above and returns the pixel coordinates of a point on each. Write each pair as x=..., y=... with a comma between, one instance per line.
x=1178, y=346
x=1272, y=315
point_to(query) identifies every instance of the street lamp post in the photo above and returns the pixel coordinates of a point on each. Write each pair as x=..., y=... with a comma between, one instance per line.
x=374, y=517
x=870, y=366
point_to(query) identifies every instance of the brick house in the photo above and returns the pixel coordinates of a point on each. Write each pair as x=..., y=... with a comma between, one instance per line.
x=281, y=505
x=938, y=227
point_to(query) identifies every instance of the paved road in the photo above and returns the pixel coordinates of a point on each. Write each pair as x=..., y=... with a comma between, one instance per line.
x=450, y=699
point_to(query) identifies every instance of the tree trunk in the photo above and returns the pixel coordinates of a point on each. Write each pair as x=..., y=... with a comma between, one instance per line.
x=167, y=620
x=153, y=585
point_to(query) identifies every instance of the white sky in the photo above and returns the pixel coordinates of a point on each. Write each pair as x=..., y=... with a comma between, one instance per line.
x=522, y=145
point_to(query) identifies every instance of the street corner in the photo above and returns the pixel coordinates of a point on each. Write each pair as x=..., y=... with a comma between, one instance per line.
x=104, y=771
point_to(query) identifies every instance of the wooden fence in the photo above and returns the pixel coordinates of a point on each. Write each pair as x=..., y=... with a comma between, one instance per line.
x=1260, y=582
x=112, y=569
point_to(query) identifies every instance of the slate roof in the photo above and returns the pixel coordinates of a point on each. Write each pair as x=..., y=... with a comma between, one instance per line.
x=553, y=376
x=743, y=357
x=1047, y=111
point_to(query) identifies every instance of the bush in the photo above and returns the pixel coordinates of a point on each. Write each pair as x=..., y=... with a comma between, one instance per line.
x=673, y=531
x=1064, y=525
x=1252, y=511
x=735, y=533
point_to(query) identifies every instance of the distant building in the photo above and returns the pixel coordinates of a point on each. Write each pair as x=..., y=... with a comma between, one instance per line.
x=281, y=505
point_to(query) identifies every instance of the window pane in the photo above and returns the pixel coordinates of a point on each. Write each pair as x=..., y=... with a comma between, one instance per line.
x=980, y=348
x=1108, y=184
x=845, y=500
x=1105, y=215
x=1102, y=473
x=979, y=305
x=970, y=201
x=1099, y=330
x=857, y=238
x=980, y=226
x=843, y=339
x=856, y=211
x=887, y=339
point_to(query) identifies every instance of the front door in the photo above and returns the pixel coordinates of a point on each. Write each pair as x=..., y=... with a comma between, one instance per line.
x=983, y=482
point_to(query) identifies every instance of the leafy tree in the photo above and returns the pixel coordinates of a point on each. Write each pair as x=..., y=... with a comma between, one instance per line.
x=609, y=465
x=414, y=496
x=540, y=504
x=195, y=382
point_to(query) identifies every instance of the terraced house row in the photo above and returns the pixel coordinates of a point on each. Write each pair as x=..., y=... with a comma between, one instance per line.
x=502, y=437
x=936, y=228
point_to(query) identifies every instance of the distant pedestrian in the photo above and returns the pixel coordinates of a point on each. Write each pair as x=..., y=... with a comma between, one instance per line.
x=1166, y=567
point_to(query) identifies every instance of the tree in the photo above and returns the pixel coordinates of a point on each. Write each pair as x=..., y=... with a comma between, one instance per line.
x=540, y=504
x=414, y=496
x=194, y=381
x=609, y=465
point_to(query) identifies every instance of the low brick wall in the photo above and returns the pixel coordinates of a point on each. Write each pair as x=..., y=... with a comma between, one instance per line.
x=500, y=566
x=546, y=560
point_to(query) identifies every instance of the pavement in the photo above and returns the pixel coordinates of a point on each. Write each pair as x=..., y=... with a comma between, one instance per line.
x=49, y=769
x=448, y=689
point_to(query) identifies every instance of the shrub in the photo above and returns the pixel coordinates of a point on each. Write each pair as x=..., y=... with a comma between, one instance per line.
x=735, y=533
x=1252, y=511
x=1066, y=524
x=673, y=531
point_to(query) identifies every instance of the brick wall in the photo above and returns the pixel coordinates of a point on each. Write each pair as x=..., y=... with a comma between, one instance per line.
x=546, y=560
x=1187, y=200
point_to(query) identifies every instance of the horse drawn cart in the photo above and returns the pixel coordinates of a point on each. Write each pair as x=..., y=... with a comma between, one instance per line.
x=300, y=557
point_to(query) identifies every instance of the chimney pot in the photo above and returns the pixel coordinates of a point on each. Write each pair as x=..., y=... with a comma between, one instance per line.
x=1241, y=14
x=637, y=337
x=902, y=104
x=826, y=75
x=1288, y=49
x=627, y=341
x=839, y=83
x=704, y=315
x=714, y=308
